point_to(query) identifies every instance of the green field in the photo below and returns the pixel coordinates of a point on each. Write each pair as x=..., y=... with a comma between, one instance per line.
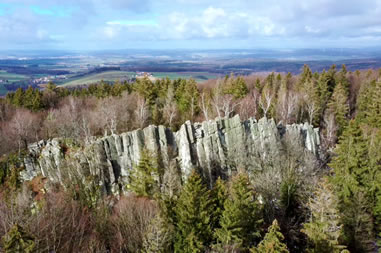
x=94, y=78
x=198, y=76
x=117, y=75
x=11, y=77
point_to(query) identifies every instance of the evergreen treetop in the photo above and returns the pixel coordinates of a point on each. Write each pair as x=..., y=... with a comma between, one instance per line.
x=193, y=215
x=272, y=242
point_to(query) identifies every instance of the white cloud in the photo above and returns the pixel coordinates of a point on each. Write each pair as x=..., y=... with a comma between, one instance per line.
x=111, y=31
x=213, y=23
x=117, y=21
x=310, y=29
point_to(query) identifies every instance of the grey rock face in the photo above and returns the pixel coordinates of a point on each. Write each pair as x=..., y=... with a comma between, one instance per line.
x=216, y=147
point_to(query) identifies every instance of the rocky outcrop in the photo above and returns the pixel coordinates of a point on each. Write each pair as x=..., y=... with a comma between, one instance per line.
x=216, y=147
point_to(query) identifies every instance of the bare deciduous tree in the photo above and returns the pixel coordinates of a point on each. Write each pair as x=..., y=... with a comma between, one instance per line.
x=224, y=104
x=85, y=129
x=107, y=112
x=330, y=130
x=170, y=111
x=204, y=105
x=24, y=127
x=249, y=105
x=311, y=110
x=66, y=120
x=141, y=112
x=287, y=106
x=130, y=221
x=57, y=223
x=265, y=102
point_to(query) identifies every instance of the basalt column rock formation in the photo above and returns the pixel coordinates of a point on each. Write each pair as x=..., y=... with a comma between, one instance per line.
x=216, y=147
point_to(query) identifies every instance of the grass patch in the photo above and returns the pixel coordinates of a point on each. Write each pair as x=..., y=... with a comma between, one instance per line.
x=198, y=76
x=4, y=75
x=94, y=78
x=118, y=75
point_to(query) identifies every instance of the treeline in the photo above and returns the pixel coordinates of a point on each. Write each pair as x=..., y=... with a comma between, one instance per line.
x=292, y=202
x=327, y=100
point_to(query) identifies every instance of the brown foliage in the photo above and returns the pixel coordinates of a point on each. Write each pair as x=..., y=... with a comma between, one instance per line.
x=57, y=223
x=24, y=127
x=130, y=221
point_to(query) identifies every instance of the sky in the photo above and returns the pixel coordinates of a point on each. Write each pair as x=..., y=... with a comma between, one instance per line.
x=188, y=24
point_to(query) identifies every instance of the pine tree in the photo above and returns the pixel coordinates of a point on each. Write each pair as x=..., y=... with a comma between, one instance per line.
x=351, y=161
x=338, y=105
x=306, y=74
x=37, y=101
x=28, y=98
x=372, y=110
x=324, y=89
x=358, y=223
x=17, y=241
x=374, y=180
x=272, y=243
x=18, y=97
x=145, y=178
x=241, y=219
x=187, y=97
x=146, y=89
x=353, y=181
x=159, y=235
x=220, y=194
x=236, y=87
x=341, y=77
x=323, y=229
x=193, y=214
x=278, y=82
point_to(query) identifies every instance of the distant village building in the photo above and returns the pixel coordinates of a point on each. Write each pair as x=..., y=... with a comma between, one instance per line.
x=143, y=74
x=140, y=75
x=47, y=79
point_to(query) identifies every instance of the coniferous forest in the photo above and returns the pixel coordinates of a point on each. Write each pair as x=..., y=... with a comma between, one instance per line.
x=292, y=203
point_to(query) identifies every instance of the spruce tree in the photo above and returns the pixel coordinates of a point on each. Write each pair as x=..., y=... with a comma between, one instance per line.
x=306, y=74
x=354, y=185
x=236, y=87
x=193, y=215
x=324, y=229
x=374, y=180
x=338, y=105
x=305, y=77
x=358, y=223
x=187, y=96
x=372, y=110
x=323, y=88
x=241, y=218
x=145, y=178
x=331, y=81
x=18, y=97
x=272, y=242
x=350, y=163
x=341, y=77
x=220, y=194
x=17, y=241
x=28, y=98
x=37, y=101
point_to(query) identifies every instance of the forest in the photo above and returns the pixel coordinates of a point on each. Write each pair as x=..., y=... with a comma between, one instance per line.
x=328, y=204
